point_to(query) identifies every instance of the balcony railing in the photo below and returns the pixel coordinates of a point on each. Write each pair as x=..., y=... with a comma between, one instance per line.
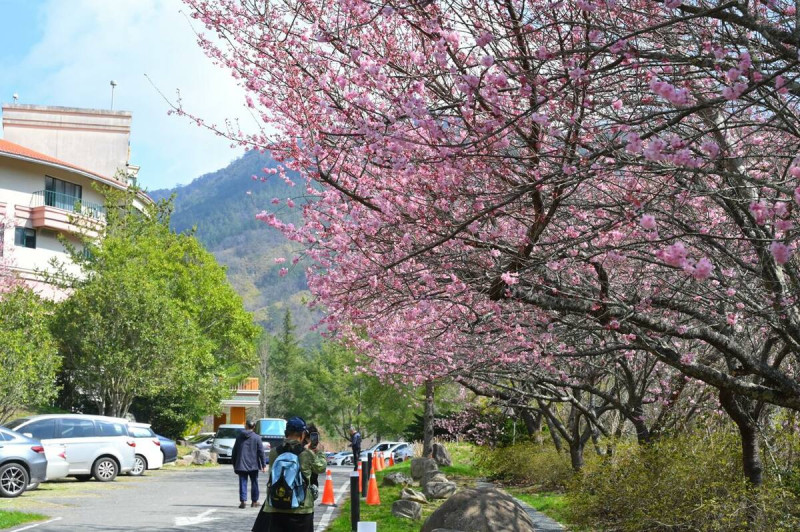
x=65, y=202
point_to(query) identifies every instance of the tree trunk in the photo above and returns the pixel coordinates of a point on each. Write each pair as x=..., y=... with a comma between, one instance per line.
x=748, y=430
x=427, y=420
x=576, y=454
x=642, y=432
x=533, y=424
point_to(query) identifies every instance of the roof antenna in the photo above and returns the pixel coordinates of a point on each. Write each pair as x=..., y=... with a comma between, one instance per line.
x=15, y=96
x=113, y=85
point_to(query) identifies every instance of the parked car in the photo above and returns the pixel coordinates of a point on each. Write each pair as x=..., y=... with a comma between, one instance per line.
x=272, y=431
x=204, y=440
x=224, y=440
x=22, y=462
x=385, y=447
x=169, y=449
x=148, y=449
x=57, y=465
x=341, y=458
x=96, y=446
x=403, y=452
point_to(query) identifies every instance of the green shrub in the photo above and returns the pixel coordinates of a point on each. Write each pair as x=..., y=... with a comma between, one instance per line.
x=688, y=482
x=527, y=464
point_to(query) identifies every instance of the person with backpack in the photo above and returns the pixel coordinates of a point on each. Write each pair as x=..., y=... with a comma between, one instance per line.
x=248, y=460
x=290, y=501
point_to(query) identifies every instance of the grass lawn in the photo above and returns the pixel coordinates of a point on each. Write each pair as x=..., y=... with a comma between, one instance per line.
x=382, y=513
x=9, y=519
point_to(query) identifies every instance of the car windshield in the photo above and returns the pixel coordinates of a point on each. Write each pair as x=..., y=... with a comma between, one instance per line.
x=271, y=427
x=226, y=432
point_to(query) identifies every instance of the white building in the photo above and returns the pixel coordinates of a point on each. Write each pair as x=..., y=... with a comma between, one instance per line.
x=52, y=159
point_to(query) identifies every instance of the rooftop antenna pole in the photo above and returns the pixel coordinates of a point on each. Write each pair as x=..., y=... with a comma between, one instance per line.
x=15, y=96
x=113, y=85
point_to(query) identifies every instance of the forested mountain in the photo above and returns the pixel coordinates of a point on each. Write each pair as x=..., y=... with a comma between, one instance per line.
x=222, y=206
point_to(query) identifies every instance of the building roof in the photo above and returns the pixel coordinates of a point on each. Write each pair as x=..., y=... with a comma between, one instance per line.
x=16, y=151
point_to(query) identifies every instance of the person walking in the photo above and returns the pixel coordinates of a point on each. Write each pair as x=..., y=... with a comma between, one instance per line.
x=355, y=444
x=290, y=501
x=248, y=460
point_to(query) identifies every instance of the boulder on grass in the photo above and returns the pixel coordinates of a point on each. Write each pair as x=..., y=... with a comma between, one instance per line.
x=419, y=466
x=201, y=457
x=480, y=510
x=441, y=456
x=413, y=495
x=432, y=476
x=439, y=490
x=407, y=509
x=397, y=479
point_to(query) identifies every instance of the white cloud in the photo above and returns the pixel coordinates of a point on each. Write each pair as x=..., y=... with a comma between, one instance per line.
x=87, y=43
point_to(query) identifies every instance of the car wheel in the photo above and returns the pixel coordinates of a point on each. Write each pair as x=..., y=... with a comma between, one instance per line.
x=139, y=466
x=13, y=480
x=105, y=469
x=83, y=478
x=32, y=486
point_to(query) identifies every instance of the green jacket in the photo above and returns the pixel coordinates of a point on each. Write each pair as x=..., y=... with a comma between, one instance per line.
x=310, y=462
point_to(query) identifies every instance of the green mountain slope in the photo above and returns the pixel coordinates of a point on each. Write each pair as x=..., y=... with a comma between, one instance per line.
x=222, y=206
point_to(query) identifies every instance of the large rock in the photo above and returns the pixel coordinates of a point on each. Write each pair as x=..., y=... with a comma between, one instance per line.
x=413, y=495
x=202, y=456
x=480, y=510
x=441, y=456
x=419, y=466
x=439, y=490
x=432, y=476
x=407, y=509
x=397, y=479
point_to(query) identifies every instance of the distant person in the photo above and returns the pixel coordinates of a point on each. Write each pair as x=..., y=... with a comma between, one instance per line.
x=248, y=460
x=289, y=505
x=355, y=444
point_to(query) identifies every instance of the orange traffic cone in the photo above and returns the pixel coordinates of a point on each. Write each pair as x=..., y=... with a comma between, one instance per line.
x=376, y=461
x=391, y=460
x=327, y=493
x=360, y=478
x=373, y=497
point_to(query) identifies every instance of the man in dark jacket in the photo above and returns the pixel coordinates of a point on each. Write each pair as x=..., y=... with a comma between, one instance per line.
x=355, y=443
x=248, y=460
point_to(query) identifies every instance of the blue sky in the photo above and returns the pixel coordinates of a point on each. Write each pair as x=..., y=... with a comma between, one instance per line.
x=65, y=52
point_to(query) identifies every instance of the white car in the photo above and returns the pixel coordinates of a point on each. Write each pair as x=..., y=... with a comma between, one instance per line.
x=224, y=440
x=97, y=446
x=148, y=448
x=57, y=465
x=341, y=458
x=385, y=447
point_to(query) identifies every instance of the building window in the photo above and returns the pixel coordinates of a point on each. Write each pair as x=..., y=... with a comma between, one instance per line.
x=25, y=237
x=61, y=194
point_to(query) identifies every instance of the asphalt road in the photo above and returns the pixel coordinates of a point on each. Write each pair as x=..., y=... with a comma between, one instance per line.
x=201, y=499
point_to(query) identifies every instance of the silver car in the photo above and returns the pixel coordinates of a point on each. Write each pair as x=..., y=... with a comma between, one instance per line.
x=224, y=440
x=22, y=462
x=96, y=446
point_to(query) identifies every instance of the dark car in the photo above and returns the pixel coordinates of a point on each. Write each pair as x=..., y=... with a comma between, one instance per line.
x=22, y=462
x=168, y=448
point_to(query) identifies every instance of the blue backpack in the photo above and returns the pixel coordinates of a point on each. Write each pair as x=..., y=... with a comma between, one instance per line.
x=287, y=487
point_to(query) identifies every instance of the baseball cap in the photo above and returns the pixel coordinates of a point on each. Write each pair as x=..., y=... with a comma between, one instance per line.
x=295, y=424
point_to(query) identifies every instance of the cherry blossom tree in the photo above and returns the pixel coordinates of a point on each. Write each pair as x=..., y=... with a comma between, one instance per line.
x=487, y=174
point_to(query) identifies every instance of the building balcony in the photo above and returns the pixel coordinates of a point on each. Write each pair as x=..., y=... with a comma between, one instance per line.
x=61, y=212
x=246, y=394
